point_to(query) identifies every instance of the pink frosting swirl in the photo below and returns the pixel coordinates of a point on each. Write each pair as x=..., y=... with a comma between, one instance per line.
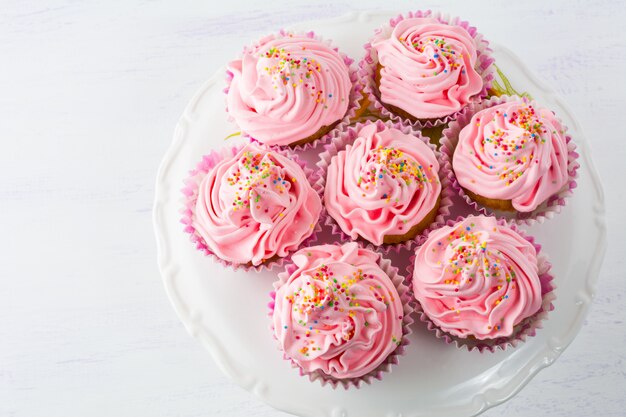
x=513, y=151
x=255, y=205
x=382, y=184
x=287, y=87
x=428, y=67
x=338, y=312
x=477, y=278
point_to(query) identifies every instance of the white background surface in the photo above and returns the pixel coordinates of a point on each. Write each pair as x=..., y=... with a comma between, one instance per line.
x=89, y=97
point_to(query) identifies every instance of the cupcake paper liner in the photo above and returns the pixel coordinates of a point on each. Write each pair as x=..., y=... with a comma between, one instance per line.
x=391, y=359
x=339, y=142
x=190, y=196
x=367, y=70
x=354, y=106
x=523, y=330
x=546, y=210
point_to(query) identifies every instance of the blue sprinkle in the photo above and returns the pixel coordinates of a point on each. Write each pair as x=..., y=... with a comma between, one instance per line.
x=467, y=228
x=330, y=95
x=436, y=56
x=445, y=70
x=285, y=327
x=505, y=115
x=380, y=176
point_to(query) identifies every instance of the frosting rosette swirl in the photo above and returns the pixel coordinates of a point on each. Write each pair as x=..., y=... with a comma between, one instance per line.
x=428, y=68
x=515, y=151
x=383, y=184
x=254, y=205
x=338, y=312
x=287, y=87
x=477, y=278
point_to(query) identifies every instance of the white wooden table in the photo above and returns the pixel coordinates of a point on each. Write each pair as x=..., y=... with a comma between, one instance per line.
x=90, y=93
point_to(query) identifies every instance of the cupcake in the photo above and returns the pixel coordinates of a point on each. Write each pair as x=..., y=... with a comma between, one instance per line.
x=481, y=284
x=426, y=68
x=289, y=89
x=340, y=314
x=250, y=206
x=384, y=186
x=512, y=155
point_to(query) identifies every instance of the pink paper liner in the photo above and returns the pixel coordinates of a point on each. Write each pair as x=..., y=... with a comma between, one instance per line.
x=190, y=196
x=545, y=210
x=367, y=69
x=353, y=105
x=523, y=330
x=392, y=359
x=345, y=137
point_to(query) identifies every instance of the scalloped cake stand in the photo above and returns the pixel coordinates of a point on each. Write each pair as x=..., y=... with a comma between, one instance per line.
x=227, y=310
